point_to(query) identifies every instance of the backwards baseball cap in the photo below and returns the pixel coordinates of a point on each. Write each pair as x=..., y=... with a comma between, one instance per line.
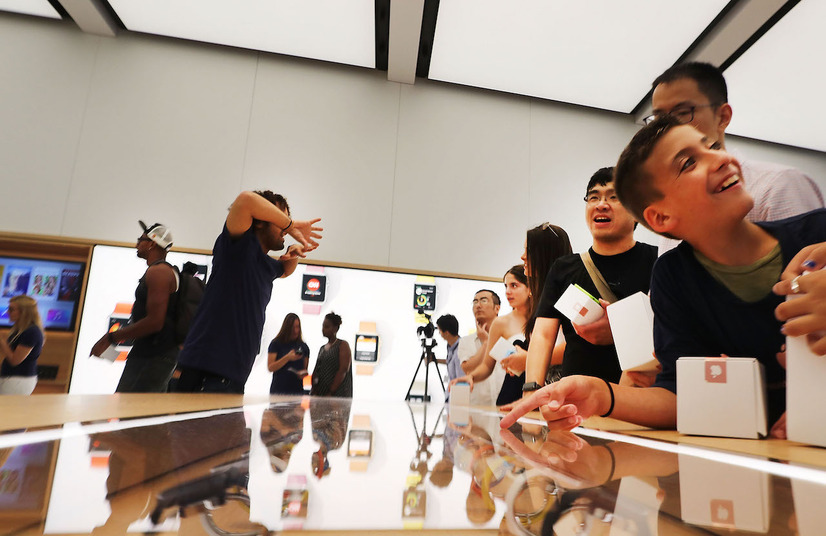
x=158, y=233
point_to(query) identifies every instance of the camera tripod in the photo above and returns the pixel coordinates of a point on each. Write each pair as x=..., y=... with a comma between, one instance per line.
x=427, y=358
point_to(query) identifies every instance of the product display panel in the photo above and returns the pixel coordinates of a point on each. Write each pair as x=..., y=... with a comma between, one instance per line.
x=321, y=464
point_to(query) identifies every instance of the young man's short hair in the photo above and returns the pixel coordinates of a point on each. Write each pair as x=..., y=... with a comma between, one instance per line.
x=449, y=324
x=602, y=177
x=496, y=300
x=276, y=199
x=634, y=186
x=710, y=80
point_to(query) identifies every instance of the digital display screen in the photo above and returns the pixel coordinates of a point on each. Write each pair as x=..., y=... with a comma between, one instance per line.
x=56, y=286
x=367, y=348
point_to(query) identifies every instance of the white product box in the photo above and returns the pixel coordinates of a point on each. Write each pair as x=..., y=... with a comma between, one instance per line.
x=805, y=374
x=637, y=508
x=579, y=306
x=716, y=494
x=809, y=498
x=723, y=397
x=458, y=410
x=504, y=347
x=632, y=324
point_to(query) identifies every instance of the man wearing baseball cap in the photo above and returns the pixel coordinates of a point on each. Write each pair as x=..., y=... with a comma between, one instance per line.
x=154, y=353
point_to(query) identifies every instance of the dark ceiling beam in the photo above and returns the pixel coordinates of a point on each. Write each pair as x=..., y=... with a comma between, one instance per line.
x=405, y=32
x=92, y=16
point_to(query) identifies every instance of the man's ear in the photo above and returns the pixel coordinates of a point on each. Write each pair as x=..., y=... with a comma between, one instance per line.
x=726, y=113
x=660, y=221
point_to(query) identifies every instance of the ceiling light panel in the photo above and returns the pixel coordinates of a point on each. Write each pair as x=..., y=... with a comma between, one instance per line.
x=777, y=85
x=599, y=53
x=330, y=30
x=41, y=8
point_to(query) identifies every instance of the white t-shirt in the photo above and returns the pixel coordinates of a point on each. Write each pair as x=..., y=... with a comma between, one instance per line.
x=486, y=392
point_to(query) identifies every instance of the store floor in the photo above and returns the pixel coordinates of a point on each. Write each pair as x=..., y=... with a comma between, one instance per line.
x=190, y=464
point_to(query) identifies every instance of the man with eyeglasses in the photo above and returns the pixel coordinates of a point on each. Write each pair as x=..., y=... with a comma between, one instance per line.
x=624, y=263
x=696, y=93
x=471, y=349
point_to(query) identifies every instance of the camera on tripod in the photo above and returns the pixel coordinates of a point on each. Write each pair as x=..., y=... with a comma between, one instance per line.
x=426, y=332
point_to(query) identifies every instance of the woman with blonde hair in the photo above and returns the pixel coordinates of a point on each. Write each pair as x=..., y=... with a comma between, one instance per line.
x=20, y=350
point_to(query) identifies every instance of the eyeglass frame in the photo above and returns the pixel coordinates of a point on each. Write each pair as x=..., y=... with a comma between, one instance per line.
x=691, y=109
x=601, y=198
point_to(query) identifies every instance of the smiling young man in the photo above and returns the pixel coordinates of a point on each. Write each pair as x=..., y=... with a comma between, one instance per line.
x=712, y=295
x=696, y=93
x=626, y=266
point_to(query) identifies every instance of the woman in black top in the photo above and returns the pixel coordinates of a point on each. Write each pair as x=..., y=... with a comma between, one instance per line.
x=333, y=373
x=288, y=358
x=19, y=352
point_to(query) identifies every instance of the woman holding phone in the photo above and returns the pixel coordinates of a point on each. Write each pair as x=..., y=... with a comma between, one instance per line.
x=287, y=358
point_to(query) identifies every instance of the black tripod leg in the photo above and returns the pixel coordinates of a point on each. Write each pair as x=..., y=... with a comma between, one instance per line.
x=439, y=372
x=407, y=397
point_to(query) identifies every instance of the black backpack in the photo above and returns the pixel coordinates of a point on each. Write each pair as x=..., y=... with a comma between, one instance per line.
x=190, y=293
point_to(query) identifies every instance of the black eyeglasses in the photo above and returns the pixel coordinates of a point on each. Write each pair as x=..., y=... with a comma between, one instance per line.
x=683, y=114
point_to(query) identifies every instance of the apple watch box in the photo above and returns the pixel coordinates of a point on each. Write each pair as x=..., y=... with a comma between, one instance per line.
x=805, y=371
x=632, y=325
x=579, y=306
x=458, y=406
x=738, y=500
x=723, y=397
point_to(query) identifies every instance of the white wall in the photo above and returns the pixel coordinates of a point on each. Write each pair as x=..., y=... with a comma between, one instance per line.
x=98, y=132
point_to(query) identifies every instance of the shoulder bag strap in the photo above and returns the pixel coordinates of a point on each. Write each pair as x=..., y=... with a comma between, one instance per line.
x=599, y=281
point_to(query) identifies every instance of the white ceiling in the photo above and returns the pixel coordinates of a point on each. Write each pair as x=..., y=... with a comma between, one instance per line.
x=597, y=53
x=777, y=87
x=331, y=30
x=41, y=8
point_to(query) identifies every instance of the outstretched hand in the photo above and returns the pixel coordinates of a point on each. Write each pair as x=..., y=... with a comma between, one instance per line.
x=564, y=404
x=306, y=233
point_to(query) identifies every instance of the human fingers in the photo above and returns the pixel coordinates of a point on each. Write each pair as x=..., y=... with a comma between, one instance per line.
x=778, y=431
x=817, y=343
x=521, y=407
x=802, y=325
x=810, y=258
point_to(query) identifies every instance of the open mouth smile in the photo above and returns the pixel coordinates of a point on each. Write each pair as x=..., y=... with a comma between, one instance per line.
x=728, y=183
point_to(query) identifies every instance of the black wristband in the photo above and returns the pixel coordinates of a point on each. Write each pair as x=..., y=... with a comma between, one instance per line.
x=289, y=225
x=613, y=463
x=611, y=407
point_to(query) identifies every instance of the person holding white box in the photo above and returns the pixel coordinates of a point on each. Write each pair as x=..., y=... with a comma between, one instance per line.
x=712, y=295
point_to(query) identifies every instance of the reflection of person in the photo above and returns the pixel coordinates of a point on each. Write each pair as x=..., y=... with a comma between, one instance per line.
x=153, y=355
x=333, y=372
x=505, y=327
x=288, y=357
x=20, y=350
x=329, y=420
x=281, y=431
x=225, y=335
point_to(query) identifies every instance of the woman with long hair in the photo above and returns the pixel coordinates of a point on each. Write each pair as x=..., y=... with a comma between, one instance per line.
x=333, y=373
x=544, y=244
x=287, y=358
x=20, y=350
x=507, y=327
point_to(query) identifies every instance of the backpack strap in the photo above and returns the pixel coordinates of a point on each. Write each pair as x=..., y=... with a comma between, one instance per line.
x=599, y=281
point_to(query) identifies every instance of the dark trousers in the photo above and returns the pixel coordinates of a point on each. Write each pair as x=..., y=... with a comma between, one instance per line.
x=194, y=380
x=147, y=374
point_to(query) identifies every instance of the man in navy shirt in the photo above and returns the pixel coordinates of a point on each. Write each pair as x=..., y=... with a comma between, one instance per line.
x=225, y=335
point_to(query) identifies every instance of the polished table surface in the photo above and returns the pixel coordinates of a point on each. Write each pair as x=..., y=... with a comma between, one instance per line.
x=225, y=464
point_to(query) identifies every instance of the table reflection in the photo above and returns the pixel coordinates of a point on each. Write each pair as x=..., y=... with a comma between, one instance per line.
x=325, y=464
